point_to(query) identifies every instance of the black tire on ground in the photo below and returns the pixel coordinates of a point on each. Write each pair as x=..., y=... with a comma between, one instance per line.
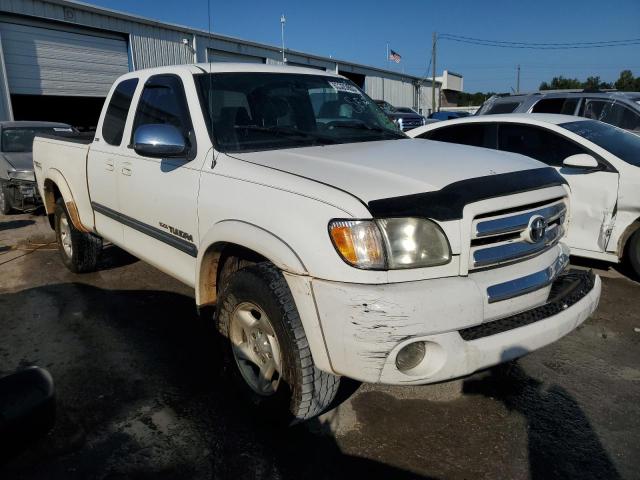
x=303, y=391
x=5, y=203
x=633, y=253
x=84, y=249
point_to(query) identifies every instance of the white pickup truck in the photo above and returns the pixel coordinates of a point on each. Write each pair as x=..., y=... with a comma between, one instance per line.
x=330, y=243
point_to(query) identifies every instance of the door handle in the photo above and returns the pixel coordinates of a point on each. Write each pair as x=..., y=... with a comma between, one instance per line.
x=125, y=169
x=109, y=165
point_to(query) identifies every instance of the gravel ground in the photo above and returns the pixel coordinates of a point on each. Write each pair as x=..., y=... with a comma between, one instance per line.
x=140, y=392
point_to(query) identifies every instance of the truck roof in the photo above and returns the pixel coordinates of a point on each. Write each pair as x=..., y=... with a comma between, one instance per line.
x=228, y=67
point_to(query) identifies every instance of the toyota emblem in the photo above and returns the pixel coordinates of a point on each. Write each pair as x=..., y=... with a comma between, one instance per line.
x=536, y=229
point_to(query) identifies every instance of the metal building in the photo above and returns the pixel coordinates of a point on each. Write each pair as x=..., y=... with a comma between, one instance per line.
x=58, y=59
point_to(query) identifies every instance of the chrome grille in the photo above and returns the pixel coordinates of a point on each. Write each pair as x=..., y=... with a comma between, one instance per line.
x=502, y=238
x=409, y=123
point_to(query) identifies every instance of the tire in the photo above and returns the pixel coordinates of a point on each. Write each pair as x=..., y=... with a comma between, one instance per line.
x=633, y=253
x=79, y=251
x=5, y=203
x=294, y=390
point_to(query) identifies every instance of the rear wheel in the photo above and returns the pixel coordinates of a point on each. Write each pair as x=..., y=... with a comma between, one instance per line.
x=5, y=203
x=268, y=351
x=79, y=250
x=633, y=253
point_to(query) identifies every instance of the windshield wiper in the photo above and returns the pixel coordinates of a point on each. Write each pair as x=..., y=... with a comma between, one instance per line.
x=287, y=131
x=365, y=126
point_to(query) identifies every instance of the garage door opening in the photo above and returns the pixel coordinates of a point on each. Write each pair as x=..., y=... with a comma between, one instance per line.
x=81, y=112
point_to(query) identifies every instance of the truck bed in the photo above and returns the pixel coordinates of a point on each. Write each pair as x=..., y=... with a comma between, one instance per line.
x=83, y=138
x=62, y=158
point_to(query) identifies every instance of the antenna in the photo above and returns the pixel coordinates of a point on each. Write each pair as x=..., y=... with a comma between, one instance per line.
x=209, y=94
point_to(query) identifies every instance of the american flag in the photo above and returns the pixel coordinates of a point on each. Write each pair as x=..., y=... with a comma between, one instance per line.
x=394, y=56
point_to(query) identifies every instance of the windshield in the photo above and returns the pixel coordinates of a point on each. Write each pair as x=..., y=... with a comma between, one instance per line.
x=404, y=110
x=20, y=139
x=623, y=144
x=265, y=111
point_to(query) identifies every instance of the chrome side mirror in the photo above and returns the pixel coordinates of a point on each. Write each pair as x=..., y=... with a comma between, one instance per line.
x=159, y=141
x=581, y=160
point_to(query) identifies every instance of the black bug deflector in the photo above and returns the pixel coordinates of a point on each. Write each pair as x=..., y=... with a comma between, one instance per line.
x=449, y=202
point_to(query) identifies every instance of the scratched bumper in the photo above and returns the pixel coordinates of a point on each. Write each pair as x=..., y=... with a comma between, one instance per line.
x=364, y=327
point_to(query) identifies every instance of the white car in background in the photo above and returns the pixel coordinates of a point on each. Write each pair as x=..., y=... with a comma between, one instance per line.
x=600, y=162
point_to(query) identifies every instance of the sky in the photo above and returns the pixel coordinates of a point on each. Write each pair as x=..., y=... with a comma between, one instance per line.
x=359, y=31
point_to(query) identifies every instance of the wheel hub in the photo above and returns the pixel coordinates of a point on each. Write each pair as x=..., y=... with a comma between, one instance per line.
x=255, y=348
x=65, y=236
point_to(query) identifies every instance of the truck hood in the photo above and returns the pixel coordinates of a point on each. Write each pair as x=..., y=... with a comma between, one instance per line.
x=391, y=168
x=19, y=160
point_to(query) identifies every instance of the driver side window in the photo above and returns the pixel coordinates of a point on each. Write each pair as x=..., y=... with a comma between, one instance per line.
x=163, y=101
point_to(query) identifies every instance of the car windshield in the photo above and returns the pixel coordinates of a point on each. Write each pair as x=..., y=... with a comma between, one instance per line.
x=623, y=144
x=20, y=139
x=404, y=110
x=266, y=111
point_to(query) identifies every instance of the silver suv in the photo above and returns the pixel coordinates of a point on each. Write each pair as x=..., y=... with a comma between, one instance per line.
x=621, y=109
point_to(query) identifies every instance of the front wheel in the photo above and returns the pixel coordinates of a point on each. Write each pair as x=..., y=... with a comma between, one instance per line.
x=268, y=349
x=633, y=253
x=79, y=250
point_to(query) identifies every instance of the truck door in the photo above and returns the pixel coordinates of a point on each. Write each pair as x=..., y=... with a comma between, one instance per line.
x=104, y=161
x=158, y=196
x=594, y=193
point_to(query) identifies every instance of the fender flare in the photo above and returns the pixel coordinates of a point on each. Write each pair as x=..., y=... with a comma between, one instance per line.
x=246, y=235
x=55, y=176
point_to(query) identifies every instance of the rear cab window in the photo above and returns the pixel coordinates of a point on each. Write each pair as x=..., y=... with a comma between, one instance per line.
x=117, y=111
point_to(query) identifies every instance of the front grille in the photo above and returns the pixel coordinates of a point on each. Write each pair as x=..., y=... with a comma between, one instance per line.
x=502, y=237
x=567, y=290
x=410, y=123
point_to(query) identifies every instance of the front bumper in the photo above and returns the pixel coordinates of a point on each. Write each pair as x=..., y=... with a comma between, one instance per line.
x=22, y=194
x=365, y=326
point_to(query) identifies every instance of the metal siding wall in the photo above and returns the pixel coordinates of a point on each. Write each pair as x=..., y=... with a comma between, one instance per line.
x=154, y=47
x=396, y=92
x=42, y=61
x=221, y=56
x=425, y=99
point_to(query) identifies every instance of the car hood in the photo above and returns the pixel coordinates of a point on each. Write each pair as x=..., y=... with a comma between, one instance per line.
x=391, y=168
x=19, y=160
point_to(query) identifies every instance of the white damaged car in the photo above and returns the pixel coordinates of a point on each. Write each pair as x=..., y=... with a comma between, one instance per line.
x=600, y=162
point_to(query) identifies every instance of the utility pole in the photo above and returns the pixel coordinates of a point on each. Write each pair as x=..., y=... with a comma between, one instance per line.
x=518, y=80
x=433, y=78
x=282, y=22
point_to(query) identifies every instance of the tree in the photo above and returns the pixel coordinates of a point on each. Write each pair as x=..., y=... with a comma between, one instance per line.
x=561, y=83
x=627, y=82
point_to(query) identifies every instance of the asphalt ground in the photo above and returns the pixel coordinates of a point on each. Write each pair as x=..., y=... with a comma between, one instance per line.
x=141, y=393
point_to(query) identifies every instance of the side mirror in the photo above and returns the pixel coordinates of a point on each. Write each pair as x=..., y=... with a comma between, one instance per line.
x=159, y=141
x=581, y=160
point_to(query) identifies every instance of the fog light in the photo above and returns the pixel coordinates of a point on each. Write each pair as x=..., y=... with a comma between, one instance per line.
x=410, y=356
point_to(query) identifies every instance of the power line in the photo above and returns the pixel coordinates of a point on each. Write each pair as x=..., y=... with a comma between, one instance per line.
x=539, y=46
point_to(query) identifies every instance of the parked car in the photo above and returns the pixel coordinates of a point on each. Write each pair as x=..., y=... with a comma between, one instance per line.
x=621, y=109
x=329, y=245
x=405, y=120
x=601, y=164
x=442, y=115
x=17, y=182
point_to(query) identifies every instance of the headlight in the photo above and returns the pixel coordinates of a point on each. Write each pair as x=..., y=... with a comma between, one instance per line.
x=22, y=175
x=391, y=243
